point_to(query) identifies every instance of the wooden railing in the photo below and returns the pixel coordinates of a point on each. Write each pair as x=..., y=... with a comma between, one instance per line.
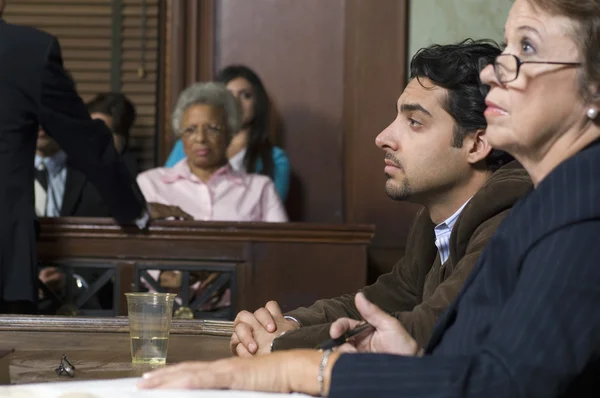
x=293, y=263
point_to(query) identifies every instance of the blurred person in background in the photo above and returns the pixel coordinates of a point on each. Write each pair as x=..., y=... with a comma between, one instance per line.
x=250, y=149
x=36, y=91
x=204, y=184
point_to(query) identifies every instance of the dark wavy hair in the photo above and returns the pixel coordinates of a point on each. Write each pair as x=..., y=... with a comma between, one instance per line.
x=259, y=146
x=117, y=106
x=455, y=67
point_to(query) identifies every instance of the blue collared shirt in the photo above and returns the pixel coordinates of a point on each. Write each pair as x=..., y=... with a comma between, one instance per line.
x=443, y=232
x=57, y=177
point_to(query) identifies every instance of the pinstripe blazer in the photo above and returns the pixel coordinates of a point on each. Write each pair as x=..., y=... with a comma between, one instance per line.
x=527, y=321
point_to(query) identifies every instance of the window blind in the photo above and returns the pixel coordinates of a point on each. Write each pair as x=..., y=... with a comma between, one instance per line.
x=107, y=45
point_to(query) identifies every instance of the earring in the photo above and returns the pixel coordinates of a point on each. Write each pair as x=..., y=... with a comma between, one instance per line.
x=592, y=113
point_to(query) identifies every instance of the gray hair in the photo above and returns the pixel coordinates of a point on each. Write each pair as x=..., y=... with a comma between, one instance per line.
x=211, y=93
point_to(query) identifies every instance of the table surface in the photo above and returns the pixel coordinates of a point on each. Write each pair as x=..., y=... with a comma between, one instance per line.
x=96, y=354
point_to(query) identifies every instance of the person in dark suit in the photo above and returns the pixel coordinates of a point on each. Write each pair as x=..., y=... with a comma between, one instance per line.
x=526, y=322
x=60, y=190
x=35, y=90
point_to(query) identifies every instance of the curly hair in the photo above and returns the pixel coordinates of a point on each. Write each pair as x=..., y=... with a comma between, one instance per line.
x=455, y=67
x=211, y=93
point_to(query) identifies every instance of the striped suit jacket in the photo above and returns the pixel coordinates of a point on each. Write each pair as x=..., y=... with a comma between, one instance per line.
x=527, y=321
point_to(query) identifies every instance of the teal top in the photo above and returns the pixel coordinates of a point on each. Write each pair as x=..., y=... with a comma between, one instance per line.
x=281, y=167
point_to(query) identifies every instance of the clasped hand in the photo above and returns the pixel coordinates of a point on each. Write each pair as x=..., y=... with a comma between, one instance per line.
x=253, y=333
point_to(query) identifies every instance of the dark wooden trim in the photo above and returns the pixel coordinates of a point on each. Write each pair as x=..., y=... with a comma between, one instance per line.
x=350, y=116
x=189, y=55
x=273, y=259
x=61, y=227
x=116, y=47
x=19, y=323
x=191, y=39
x=162, y=141
x=363, y=25
x=207, y=39
x=172, y=75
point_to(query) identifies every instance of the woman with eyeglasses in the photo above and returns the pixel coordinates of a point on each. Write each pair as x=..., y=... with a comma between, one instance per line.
x=250, y=149
x=203, y=184
x=526, y=323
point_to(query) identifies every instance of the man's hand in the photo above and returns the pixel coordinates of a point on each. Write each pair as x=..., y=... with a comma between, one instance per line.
x=53, y=278
x=158, y=211
x=388, y=336
x=170, y=279
x=281, y=372
x=254, y=333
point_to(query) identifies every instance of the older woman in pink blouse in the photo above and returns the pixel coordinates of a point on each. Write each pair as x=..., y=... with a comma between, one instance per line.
x=203, y=184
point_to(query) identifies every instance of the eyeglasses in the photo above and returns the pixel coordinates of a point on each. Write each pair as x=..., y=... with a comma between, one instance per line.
x=507, y=66
x=211, y=130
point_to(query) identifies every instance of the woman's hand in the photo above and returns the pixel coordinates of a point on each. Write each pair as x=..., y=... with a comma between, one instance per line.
x=283, y=372
x=159, y=211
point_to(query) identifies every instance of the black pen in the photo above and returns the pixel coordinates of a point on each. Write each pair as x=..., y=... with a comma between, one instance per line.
x=331, y=343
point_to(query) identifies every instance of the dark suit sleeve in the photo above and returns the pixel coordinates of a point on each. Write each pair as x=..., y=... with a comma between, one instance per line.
x=547, y=333
x=87, y=143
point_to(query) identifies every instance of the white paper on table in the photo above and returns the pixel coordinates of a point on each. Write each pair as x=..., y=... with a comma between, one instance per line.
x=118, y=388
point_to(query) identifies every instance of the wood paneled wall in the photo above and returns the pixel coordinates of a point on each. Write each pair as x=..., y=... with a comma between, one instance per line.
x=297, y=47
x=334, y=70
x=375, y=63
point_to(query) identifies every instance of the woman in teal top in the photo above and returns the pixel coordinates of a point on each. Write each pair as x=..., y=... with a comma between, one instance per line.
x=251, y=148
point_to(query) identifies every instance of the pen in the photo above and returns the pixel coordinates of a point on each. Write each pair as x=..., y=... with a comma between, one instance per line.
x=331, y=343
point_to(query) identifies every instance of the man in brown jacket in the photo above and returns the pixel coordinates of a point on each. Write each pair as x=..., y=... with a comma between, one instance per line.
x=436, y=154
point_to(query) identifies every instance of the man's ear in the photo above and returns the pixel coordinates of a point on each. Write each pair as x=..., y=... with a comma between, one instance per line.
x=478, y=146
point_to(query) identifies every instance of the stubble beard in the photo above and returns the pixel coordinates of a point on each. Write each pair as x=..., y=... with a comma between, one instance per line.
x=398, y=192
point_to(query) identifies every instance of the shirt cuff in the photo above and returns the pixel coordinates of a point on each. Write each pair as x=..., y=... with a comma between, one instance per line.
x=291, y=318
x=142, y=221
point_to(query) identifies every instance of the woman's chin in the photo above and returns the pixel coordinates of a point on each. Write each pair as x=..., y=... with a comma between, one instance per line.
x=202, y=164
x=499, y=137
x=206, y=164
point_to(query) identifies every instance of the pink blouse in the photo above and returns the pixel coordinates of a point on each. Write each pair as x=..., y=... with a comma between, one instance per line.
x=228, y=196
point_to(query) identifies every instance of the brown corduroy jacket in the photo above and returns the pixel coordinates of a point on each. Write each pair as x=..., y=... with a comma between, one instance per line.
x=419, y=288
